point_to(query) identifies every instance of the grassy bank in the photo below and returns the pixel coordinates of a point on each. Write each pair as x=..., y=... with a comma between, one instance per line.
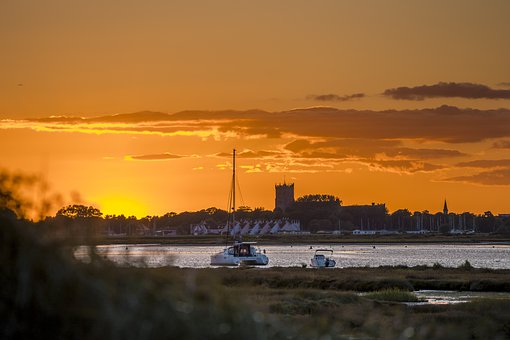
x=313, y=303
x=362, y=279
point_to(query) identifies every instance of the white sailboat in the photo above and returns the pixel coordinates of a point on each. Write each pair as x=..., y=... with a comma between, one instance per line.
x=239, y=252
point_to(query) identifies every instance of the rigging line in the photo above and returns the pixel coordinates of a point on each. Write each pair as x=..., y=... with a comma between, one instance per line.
x=229, y=202
x=229, y=211
x=240, y=192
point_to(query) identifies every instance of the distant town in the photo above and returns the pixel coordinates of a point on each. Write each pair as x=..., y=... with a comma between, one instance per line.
x=308, y=214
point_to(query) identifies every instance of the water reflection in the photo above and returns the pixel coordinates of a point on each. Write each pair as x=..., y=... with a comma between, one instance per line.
x=444, y=297
x=347, y=255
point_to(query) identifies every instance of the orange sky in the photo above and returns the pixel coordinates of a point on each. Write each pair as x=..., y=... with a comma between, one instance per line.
x=391, y=73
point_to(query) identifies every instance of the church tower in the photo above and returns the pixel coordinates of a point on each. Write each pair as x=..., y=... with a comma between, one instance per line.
x=445, y=208
x=284, y=196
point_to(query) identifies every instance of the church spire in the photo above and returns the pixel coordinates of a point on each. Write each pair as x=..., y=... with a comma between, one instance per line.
x=445, y=208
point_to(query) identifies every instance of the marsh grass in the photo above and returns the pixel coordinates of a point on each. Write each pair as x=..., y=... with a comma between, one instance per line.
x=369, y=279
x=393, y=295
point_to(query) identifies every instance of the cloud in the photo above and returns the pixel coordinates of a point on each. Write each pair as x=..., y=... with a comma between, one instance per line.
x=486, y=163
x=493, y=177
x=403, y=166
x=447, y=90
x=252, y=168
x=302, y=166
x=251, y=154
x=502, y=144
x=365, y=148
x=423, y=153
x=504, y=84
x=334, y=97
x=445, y=123
x=137, y=117
x=154, y=157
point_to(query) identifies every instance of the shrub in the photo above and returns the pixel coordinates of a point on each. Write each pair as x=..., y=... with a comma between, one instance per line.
x=437, y=265
x=466, y=265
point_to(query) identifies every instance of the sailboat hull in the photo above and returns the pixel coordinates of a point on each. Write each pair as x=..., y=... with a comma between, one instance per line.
x=222, y=259
x=239, y=254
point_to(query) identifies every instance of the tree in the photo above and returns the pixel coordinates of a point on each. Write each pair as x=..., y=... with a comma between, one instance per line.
x=318, y=207
x=79, y=211
x=401, y=219
x=319, y=198
x=486, y=223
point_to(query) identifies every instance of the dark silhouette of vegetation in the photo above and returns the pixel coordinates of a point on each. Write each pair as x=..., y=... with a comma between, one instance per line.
x=315, y=212
x=79, y=211
x=320, y=198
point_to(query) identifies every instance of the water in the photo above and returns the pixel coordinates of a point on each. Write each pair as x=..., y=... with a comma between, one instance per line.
x=445, y=297
x=495, y=256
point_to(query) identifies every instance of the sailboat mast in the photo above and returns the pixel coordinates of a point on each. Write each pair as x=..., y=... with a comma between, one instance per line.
x=233, y=186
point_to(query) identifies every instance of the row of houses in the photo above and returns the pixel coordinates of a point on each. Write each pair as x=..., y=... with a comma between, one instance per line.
x=282, y=226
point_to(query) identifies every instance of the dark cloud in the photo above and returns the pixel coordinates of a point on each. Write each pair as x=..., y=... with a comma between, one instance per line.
x=154, y=157
x=335, y=98
x=447, y=90
x=502, y=144
x=494, y=177
x=298, y=145
x=137, y=117
x=445, y=123
x=365, y=148
x=59, y=119
x=486, y=163
x=340, y=148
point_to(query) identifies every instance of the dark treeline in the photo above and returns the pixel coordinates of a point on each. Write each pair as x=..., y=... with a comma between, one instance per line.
x=316, y=213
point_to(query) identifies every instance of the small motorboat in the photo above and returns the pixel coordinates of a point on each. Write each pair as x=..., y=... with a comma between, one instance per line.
x=323, y=259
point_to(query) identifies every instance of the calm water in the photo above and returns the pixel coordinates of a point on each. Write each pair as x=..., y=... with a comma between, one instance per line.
x=445, y=297
x=448, y=255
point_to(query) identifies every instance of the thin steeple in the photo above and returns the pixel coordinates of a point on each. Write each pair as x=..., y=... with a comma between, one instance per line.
x=445, y=208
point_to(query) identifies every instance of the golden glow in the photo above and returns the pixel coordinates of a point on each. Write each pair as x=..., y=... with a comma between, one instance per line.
x=122, y=205
x=94, y=58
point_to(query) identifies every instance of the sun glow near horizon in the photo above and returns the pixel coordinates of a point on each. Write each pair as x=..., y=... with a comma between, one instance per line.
x=121, y=205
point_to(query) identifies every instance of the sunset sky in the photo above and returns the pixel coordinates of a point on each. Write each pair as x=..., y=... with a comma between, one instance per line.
x=134, y=106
